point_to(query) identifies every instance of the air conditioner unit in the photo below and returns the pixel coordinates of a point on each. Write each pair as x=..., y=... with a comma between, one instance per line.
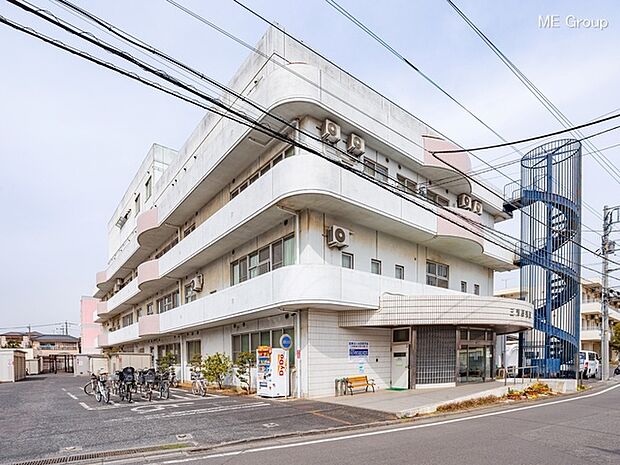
x=338, y=237
x=476, y=207
x=355, y=144
x=464, y=201
x=330, y=131
x=197, y=282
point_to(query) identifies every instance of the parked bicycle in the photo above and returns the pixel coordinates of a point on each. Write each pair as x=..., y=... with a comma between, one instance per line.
x=174, y=382
x=199, y=384
x=163, y=384
x=127, y=381
x=102, y=391
x=89, y=389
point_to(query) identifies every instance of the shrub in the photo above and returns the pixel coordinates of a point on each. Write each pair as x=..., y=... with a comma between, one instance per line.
x=196, y=362
x=216, y=367
x=245, y=360
x=165, y=362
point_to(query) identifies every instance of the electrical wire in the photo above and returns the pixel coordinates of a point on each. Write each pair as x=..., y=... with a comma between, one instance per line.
x=368, y=31
x=601, y=159
x=226, y=115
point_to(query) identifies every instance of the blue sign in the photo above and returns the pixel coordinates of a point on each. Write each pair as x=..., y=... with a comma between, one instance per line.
x=286, y=341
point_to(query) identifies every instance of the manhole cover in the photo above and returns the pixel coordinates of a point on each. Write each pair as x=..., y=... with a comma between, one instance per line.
x=270, y=425
x=184, y=437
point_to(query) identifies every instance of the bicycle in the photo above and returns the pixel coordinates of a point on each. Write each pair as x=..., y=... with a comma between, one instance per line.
x=126, y=384
x=199, y=384
x=102, y=391
x=164, y=385
x=89, y=388
x=174, y=382
x=149, y=377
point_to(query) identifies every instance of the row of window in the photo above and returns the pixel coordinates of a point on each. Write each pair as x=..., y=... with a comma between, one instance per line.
x=437, y=274
x=249, y=342
x=376, y=267
x=380, y=173
x=271, y=257
x=289, y=152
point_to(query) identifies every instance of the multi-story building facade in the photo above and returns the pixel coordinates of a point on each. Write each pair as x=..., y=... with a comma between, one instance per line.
x=238, y=238
x=591, y=319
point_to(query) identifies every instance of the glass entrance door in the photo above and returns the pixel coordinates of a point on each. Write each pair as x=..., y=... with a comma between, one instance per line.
x=475, y=364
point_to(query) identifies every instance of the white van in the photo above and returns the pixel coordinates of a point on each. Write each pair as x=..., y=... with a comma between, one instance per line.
x=589, y=364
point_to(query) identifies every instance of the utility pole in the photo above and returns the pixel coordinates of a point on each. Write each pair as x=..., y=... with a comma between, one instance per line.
x=66, y=328
x=611, y=215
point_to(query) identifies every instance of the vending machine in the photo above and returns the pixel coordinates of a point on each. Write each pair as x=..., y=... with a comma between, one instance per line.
x=272, y=372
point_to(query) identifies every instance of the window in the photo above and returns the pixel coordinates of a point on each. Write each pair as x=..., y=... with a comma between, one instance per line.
x=251, y=341
x=169, y=246
x=436, y=198
x=174, y=349
x=276, y=255
x=406, y=184
x=290, y=151
x=463, y=286
x=477, y=289
x=149, y=309
x=190, y=293
x=127, y=320
x=193, y=349
x=168, y=302
x=400, y=335
x=376, y=170
x=187, y=231
x=148, y=188
x=375, y=266
x=347, y=260
x=399, y=272
x=437, y=274
x=137, y=205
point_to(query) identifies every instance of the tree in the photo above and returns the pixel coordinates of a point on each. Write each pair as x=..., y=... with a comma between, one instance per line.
x=216, y=367
x=165, y=362
x=614, y=343
x=245, y=361
x=195, y=362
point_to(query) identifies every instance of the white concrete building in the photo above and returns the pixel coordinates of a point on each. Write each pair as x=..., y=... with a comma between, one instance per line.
x=225, y=244
x=591, y=318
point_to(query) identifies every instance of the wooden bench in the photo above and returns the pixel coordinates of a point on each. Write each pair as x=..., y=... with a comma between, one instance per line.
x=359, y=382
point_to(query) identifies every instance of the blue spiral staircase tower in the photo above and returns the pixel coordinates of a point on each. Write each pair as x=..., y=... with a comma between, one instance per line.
x=549, y=197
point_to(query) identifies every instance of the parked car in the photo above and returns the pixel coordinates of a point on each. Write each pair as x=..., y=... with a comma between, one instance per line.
x=589, y=363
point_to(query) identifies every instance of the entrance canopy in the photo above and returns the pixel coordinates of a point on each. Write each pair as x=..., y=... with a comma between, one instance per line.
x=500, y=314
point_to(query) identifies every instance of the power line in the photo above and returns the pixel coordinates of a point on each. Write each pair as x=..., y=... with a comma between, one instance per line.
x=382, y=42
x=255, y=124
x=540, y=96
x=358, y=23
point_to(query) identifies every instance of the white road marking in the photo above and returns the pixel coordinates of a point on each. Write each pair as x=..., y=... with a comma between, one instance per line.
x=64, y=389
x=180, y=397
x=184, y=413
x=155, y=407
x=72, y=396
x=393, y=430
x=87, y=407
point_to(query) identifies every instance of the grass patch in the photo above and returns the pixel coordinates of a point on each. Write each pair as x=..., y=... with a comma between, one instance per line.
x=174, y=446
x=534, y=391
x=467, y=404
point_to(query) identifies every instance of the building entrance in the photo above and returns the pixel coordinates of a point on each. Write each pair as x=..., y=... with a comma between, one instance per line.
x=400, y=366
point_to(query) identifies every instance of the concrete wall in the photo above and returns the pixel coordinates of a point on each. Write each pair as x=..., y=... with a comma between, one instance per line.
x=326, y=351
x=12, y=365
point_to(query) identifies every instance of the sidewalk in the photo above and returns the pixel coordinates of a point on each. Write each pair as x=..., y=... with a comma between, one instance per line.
x=418, y=401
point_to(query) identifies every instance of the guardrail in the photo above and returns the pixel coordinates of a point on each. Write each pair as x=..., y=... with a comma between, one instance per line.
x=524, y=372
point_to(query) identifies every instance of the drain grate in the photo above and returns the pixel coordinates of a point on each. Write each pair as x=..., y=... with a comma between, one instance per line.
x=99, y=455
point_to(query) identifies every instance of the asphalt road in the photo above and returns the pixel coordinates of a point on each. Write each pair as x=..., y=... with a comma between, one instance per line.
x=565, y=431
x=50, y=416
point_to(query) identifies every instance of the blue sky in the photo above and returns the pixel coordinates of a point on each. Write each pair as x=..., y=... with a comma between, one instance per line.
x=72, y=135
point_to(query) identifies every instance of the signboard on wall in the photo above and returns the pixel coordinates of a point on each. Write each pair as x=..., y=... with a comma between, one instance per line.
x=358, y=351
